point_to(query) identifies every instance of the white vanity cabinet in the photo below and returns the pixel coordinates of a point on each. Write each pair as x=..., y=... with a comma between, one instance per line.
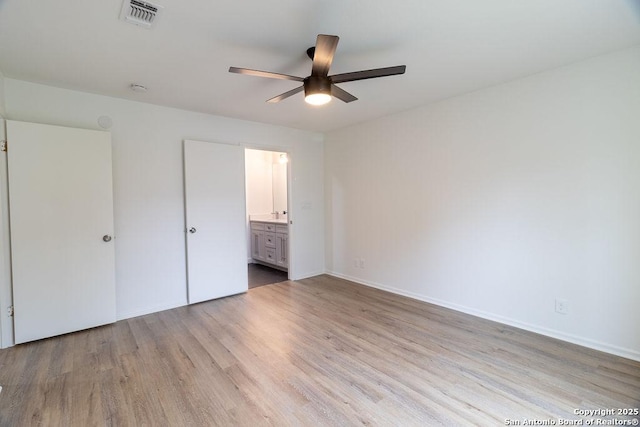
x=269, y=243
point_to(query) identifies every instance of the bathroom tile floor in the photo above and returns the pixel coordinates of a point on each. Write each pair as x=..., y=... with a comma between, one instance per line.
x=260, y=275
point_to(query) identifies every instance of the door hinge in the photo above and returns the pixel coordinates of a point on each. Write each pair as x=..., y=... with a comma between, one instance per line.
x=10, y=311
x=3, y=145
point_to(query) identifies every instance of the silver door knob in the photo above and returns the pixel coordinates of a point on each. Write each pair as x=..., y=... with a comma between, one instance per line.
x=106, y=238
x=192, y=230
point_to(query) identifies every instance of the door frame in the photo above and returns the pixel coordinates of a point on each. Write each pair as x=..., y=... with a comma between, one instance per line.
x=290, y=215
x=6, y=293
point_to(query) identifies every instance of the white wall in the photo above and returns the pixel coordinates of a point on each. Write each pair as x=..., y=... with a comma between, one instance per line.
x=266, y=182
x=2, y=101
x=279, y=173
x=500, y=201
x=148, y=184
x=259, y=186
x=259, y=182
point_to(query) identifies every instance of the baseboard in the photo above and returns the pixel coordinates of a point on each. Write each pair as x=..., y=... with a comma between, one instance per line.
x=307, y=275
x=149, y=310
x=574, y=339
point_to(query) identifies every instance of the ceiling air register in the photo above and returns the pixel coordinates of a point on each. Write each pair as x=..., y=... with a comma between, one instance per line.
x=141, y=13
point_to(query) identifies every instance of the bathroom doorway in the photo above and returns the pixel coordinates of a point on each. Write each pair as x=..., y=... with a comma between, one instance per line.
x=266, y=178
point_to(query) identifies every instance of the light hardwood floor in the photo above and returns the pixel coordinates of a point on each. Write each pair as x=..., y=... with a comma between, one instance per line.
x=321, y=351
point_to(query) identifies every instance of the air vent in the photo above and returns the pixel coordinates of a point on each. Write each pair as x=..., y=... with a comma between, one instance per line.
x=140, y=13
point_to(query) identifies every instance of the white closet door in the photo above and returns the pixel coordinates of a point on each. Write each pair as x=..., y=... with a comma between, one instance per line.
x=215, y=211
x=61, y=207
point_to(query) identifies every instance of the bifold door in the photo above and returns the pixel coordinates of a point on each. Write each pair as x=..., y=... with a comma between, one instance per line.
x=215, y=220
x=61, y=212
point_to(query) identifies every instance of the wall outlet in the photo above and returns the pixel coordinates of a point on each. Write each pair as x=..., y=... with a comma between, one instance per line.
x=361, y=263
x=562, y=306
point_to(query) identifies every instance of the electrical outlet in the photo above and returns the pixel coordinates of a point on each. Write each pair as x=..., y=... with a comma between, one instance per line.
x=361, y=263
x=562, y=306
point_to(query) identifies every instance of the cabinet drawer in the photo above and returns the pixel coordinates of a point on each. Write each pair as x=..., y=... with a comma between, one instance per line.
x=270, y=240
x=282, y=229
x=270, y=255
x=270, y=227
x=257, y=225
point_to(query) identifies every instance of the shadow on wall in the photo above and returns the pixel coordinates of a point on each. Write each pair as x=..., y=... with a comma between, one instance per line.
x=634, y=5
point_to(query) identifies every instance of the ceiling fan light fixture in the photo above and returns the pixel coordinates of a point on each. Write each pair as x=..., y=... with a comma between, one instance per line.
x=317, y=98
x=317, y=90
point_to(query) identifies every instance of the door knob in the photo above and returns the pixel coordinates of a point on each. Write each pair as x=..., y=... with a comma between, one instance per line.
x=106, y=238
x=192, y=230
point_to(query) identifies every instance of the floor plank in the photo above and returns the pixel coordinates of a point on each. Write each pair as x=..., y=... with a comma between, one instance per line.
x=320, y=351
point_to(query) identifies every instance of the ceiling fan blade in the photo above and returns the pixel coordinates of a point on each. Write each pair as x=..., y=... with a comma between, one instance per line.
x=368, y=74
x=323, y=55
x=267, y=74
x=285, y=95
x=342, y=95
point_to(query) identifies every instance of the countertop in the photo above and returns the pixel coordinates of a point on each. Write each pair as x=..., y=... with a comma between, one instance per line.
x=269, y=218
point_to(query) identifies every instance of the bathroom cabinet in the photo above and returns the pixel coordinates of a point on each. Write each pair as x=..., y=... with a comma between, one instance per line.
x=270, y=243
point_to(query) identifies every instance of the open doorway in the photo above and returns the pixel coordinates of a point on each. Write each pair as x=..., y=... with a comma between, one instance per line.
x=267, y=216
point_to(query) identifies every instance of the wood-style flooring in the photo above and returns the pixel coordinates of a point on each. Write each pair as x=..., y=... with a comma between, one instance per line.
x=320, y=351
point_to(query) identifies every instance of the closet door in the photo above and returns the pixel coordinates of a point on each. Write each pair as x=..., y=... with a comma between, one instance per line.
x=215, y=214
x=61, y=210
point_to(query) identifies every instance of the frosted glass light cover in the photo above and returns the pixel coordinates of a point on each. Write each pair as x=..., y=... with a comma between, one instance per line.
x=317, y=98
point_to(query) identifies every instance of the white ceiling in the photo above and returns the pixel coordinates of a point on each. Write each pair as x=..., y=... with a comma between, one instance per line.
x=449, y=47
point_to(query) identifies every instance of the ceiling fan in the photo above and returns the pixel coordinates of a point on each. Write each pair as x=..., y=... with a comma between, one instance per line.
x=319, y=87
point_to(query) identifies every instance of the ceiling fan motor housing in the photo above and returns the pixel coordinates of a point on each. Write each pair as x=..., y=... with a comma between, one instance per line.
x=317, y=84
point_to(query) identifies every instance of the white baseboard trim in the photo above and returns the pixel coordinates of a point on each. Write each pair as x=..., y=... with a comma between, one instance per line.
x=149, y=310
x=574, y=339
x=307, y=275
